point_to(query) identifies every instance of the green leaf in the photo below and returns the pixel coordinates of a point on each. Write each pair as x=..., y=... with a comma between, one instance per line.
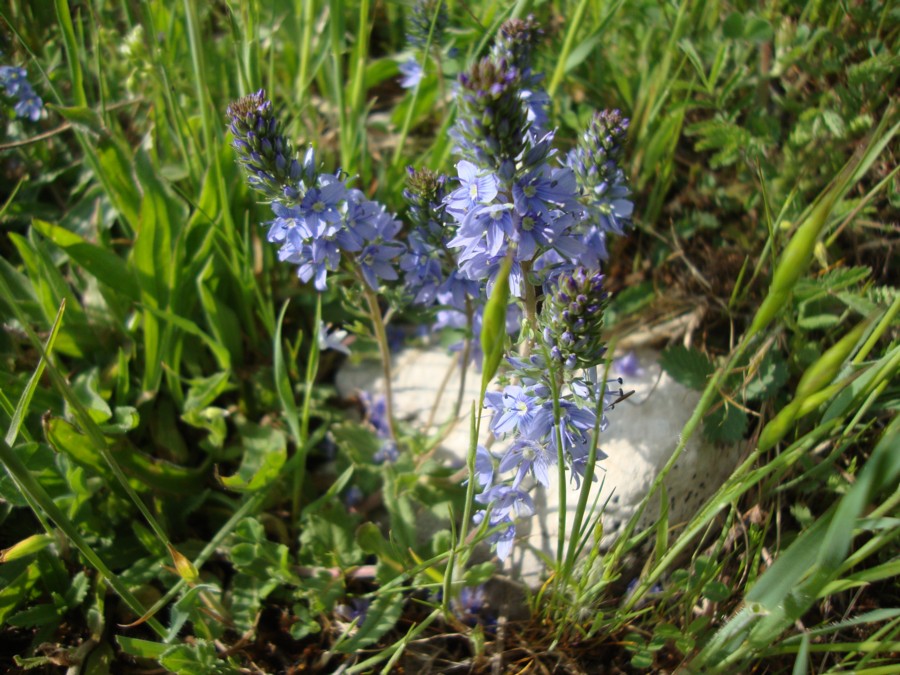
x=85, y=388
x=716, y=591
x=725, y=424
x=758, y=29
x=142, y=649
x=67, y=440
x=687, y=366
x=733, y=27
x=770, y=377
x=480, y=573
x=204, y=390
x=265, y=451
x=125, y=418
x=81, y=117
x=328, y=537
x=105, y=266
x=117, y=176
x=380, y=618
x=197, y=658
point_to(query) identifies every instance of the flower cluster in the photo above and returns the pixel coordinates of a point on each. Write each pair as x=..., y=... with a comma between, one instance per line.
x=15, y=83
x=597, y=163
x=541, y=431
x=514, y=197
x=317, y=216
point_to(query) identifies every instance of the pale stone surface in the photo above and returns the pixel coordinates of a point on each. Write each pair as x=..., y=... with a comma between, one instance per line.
x=643, y=432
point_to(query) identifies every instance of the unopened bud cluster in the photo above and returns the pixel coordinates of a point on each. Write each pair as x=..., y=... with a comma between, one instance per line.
x=419, y=21
x=597, y=162
x=492, y=119
x=572, y=319
x=262, y=149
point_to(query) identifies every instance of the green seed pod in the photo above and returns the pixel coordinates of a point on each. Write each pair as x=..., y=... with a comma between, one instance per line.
x=825, y=369
x=493, y=326
x=778, y=426
x=793, y=263
x=185, y=568
x=26, y=547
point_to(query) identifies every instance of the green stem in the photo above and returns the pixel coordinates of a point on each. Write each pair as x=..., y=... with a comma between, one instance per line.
x=381, y=338
x=588, y=478
x=312, y=367
x=410, y=111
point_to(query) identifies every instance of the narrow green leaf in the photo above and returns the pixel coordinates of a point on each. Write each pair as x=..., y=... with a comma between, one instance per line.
x=105, y=266
x=283, y=382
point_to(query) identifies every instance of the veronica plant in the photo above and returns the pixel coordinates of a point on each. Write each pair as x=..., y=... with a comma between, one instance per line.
x=321, y=224
x=512, y=199
x=516, y=200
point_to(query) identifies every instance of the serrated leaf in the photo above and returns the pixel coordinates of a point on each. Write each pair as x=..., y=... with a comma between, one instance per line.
x=726, y=424
x=143, y=649
x=771, y=376
x=329, y=537
x=687, y=366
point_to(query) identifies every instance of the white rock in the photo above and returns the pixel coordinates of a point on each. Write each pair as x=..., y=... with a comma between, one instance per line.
x=643, y=432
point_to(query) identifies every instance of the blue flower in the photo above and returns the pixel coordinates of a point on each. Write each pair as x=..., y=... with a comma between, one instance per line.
x=514, y=409
x=476, y=188
x=412, y=72
x=15, y=82
x=376, y=262
x=319, y=208
x=526, y=455
x=484, y=466
x=332, y=340
x=423, y=270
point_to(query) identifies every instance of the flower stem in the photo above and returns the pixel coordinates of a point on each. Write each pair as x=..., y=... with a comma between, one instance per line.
x=530, y=302
x=381, y=339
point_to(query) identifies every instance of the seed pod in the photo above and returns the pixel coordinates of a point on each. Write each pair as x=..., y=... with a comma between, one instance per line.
x=493, y=326
x=793, y=263
x=825, y=369
x=185, y=568
x=26, y=547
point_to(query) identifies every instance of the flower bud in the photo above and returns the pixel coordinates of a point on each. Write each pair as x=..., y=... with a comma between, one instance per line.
x=572, y=328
